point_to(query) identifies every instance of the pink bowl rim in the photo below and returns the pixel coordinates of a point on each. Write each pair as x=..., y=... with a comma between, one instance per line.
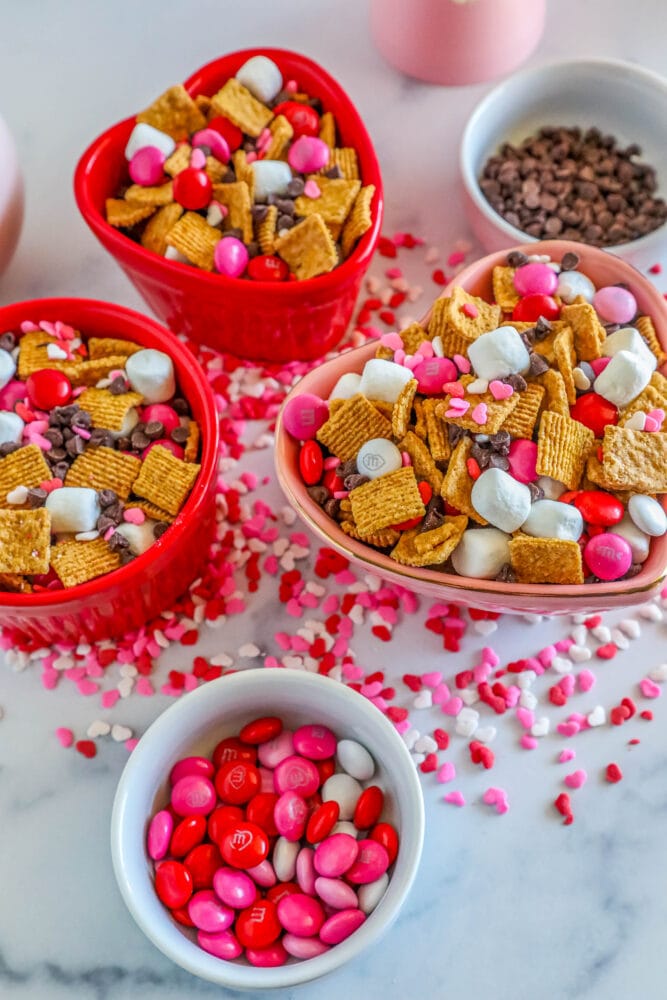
x=408, y=576
x=143, y=258
x=195, y=502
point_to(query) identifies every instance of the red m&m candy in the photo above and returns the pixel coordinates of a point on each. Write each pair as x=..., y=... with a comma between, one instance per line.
x=237, y=781
x=192, y=188
x=594, y=412
x=48, y=388
x=266, y=267
x=311, y=463
x=173, y=883
x=258, y=926
x=303, y=119
x=261, y=730
x=531, y=307
x=244, y=845
x=229, y=132
x=597, y=507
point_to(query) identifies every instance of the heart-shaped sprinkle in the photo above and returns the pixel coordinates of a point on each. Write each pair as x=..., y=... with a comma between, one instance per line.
x=311, y=189
x=18, y=495
x=486, y=734
x=86, y=747
x=454, y=389
x=457, y=407
x=399, y=356
x=477, y=387
x=576, y=779
x=98, y=728
x=649, y=688
x=540, y=728
x=651, y=424
x=657, y=415
x=613, y=773
x=585, y=679
x=423, y=700
x=392, y=341
x=64, y=736
x=480, y=413
x=425, y=744
x=636, y=421
x=441, y=737
x=446, y=773
x=566, y=755
x=568, y=728
x=500, y=390
x=120, y=733
x=455, y=798
x=462, y=364
x=453, y=707
x=597, y=717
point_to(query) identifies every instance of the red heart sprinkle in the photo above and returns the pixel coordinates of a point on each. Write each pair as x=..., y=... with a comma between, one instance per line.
x=429, y=763
x=86, y=747
x=613, y=773
x=441, y=737
x=412, y=681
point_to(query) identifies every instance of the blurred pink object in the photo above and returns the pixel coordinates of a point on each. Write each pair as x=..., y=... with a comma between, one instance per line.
x=457, y=41
x=11, y=196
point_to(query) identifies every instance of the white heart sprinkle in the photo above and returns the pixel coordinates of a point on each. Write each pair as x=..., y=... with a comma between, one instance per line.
x=659, y=673
x=336, y=673
x=526, y=678
x=597, y=717
x=221, y=660
x=356, y=614
x=485, y=626
x=424, y=699
x=17, y=495
x=425, y=744
x=651, y=612
x=619, y=639
x=601, y=633
x=637, y=421
x=249, y=649
x=120, y=733
x=128, y=670
x=410, y=737
x=438, y=347
x=55, y=353
x=541, y=727
x=486, y=734
x=125, y=685
x=579, y=634
x=528, y=700
x=477, y=387
x=293, y=662
x=468, y=696
x=579, y=653
x=581, y=379
x=561, y=665
x=467, y=721
x=98, y=728
x=631, y=627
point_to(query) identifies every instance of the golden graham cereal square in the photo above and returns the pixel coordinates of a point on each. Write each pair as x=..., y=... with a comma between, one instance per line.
x=104, y=469
x=653, y=397
x=563, y=446
x=545, y=560
x=521, y=421
x=235, y=102
x=25, y=541
x=359, y=221
x=165, y=480
x=158, y=196
x=504, y=292
x=555, y=395
x=76, y=562
x=589, y=334
x=497, y=410
x=195, y=239
x=281, y=133
x=422, y=460
x=175, y=113
x=335, y=201
x=354, y=422
x=24, y=467
x=123, y=214
x=457, y=484
x=191, y=446
x=430, y=548
x=566, y=360
x=464, y=314
x=107, y=410
x=402, y=408
x=635, y=460
x=266, y=230
x=105, y=347
x=386, y=501
x=179, y=160
x=157, y=229
x=328, y=129
x=236, y=198
x=307, y=248
x=645, y=326
x=413, y=337
x=436, y=432
x=380, y=539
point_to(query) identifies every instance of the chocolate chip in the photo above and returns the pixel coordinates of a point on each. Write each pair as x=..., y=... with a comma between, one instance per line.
x=634, y=569
x=139, y=440
x=159, y=529
x=517, y=382
x=351, y=482
x=528, y=338
x=516, y=258
x=8, y=341
x=259, y=212
x=334, y=173
x=36, y=497
x=536, y=492
x=101, y=438
x=153, y=430
x=54, y=435
x=104, y=522
x=60, y=470
x=181, y=406
x=118, y=386
x=126, y=556
x=122, y=443
x=56, y=455
x=179, y=435
x=455, y=433
x=285, y=206
x=295, y=187
x=253, y=248
x=106, y=498
x=8, y=447
x=569, y=261
x=319, y=494
x=75, y=446
x=506, y=574
x=498, y=461
x=332, y=508
x=346, y=469
x=114, y=511
x=537, y=364
x=480, y=454
x=285, y=222
x=118, y=542
x=500, y=442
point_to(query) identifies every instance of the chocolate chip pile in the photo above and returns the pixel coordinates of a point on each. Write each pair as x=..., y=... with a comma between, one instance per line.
x=574, y=184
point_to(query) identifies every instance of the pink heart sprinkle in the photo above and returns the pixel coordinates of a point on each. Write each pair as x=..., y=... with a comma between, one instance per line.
x=576, y=779
x=566, y=755
x=649, y=688
x=392, y=341
x=441, y=694
x=496, y=797
x=586, y=680
x=462, y=364
x=446, y=773
x=457, y=407
x=134, y=515
x=198, y=159
x=311, y=189
x=412, y=360
x=650, y=424
x=432, y=679
x=658, y=415
x=568, y=728
x=566, y=684
x=64, y=736
x=144, y=687
x=402, y=726
x=399, y=356
x=500, y=390
x=453, y=388
x=526, y=717
x=528, y=742
x=480, y=413
x=131, y=744
x=453, y=706
x=455, y=798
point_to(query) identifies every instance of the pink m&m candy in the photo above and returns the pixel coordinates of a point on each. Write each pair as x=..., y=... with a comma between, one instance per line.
x=193, y=795
x=159, y=834
x=341, y=925
x=222, y=944
x=270, y=957
x=608, y=555
x=163, y=414
x=336, y=893
x=615, y=304
x=290, y=815
x=308, y=154
x=372, y=862
x=147, y=166
x=207, y=912
x=191, y=765
x=167, y=443
x=432, y=374
x=300, y=914
x=301, y=947
x=315, y=742
x=522, y=457
x=215, y=142
x=296, y=774
x=235, y=888
x=304, y=415
x=535, y=279
x=279, y=748
x=336, y=855
x=230, y=257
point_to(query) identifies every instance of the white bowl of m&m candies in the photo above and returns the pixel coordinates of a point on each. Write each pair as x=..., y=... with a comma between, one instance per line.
x=267, y=828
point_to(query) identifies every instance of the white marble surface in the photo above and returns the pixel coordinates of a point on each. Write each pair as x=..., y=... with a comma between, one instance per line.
x=508, y=907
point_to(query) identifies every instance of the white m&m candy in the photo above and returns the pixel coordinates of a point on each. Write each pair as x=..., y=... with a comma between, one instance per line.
x=638, y=540
x=501, y=500
x=648, y=515
x=261, y=77
x=572, y=284
x=377, y=457
x=498, y=354
x=151, y=373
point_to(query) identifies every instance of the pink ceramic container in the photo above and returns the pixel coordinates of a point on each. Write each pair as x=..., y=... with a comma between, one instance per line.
x=457, y=41
x=604, y=269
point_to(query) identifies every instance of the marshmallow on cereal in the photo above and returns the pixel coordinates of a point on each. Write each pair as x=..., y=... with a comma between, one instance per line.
x=346, y=387
x=73, y=509
x=498, y=354
x=151, y=373
x=7, y=367
x=383, y=380
x=271, y=177
x=552, y=488
x=139, y=536
x=145, y=135
x=481, y=553
x=11, y=427
x=629, y=339
x=501, y=500
x=261, y=77
x=552, y=519
x=572, y=284
x=623, y=378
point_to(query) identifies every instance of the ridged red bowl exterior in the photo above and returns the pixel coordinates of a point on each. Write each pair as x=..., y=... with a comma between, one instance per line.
x=128, y=597
x=288, y=321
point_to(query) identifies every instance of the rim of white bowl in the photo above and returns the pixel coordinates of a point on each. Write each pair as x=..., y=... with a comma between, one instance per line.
x=519, y=81
x=145, y=772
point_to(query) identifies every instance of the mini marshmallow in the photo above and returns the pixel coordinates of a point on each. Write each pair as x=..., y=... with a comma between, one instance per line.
x=637, y=539
x=481, y=553
x=271, y=177
x=11, y=427
x=7, y=368
x=623, y=378
x=498, y=354
x=383, y=380
x=261, y=77
x=346, y=386
x=130, y=421
x=648, y=515
x=552, y=488
x=140, y=536
x=151, y=373
x=501, y=500
x=145, y=135
x=171, y=253
x=73, y=509
x=552, y=519
x=629, y=339
x=571, y=284
x=378, y=457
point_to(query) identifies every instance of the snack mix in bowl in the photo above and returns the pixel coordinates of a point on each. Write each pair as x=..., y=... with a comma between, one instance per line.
x=98, y=454
x=519, y=439
x=248, y=181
